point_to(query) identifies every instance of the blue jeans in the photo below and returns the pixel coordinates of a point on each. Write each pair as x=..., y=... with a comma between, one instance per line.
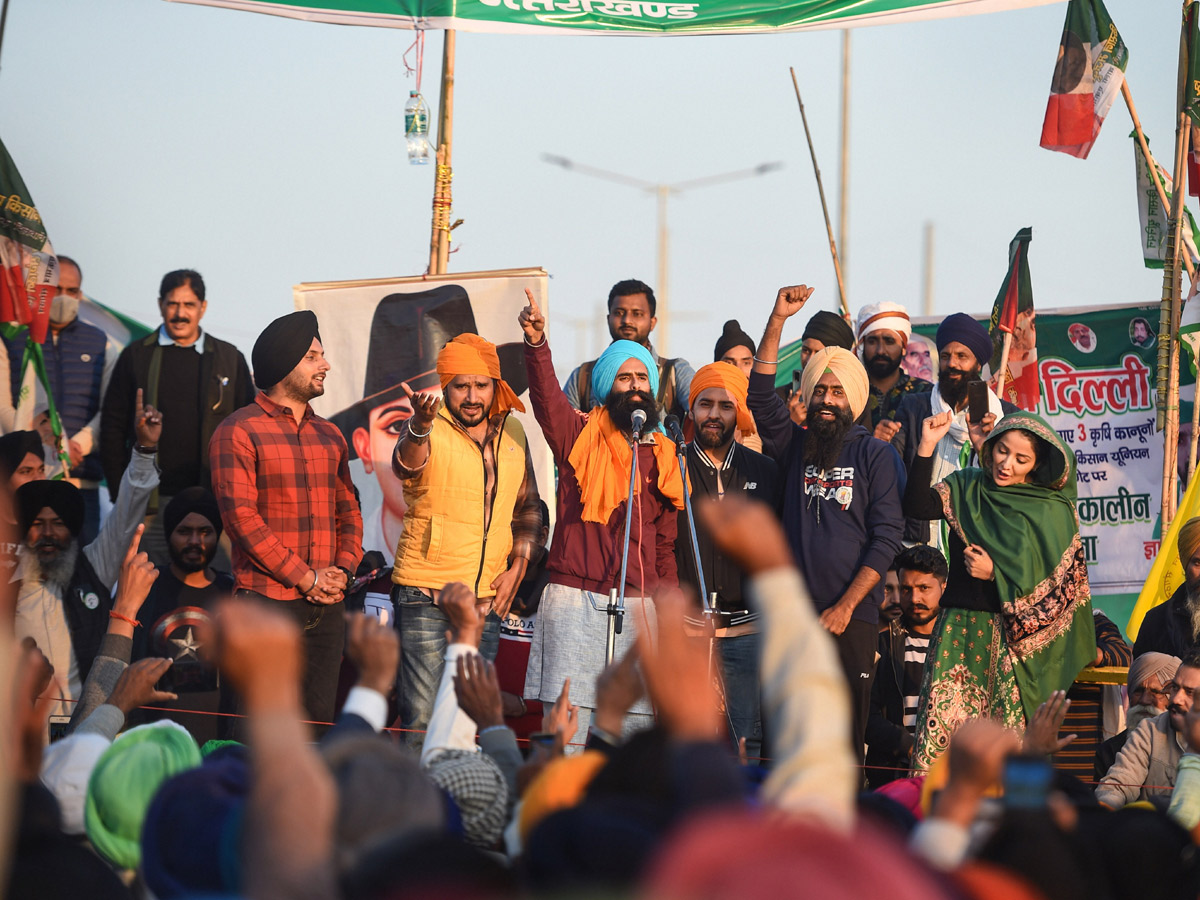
x=739, y=659
x=422, y=657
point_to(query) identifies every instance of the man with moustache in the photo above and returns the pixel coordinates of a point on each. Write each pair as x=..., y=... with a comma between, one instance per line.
x=632, y=315
x=281, y=476
x=472, y=514
x=922, y=573
x=964, y=346
x=194, y=378
x=595, y=462
x=1173, y=627
x=883, y=333
x=841, y=503
x=1145, y=768
x=1147, y=686
x=717, y=466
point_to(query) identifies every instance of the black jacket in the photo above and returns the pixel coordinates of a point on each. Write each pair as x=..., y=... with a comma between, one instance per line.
x=888, y=741
x=744, y=472
x=225, y=382
x=1167, y=628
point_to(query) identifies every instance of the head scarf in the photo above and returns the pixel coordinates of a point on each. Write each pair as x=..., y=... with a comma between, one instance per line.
x=281, y=346
x=125, y=780
x=830, y=329
x=477, y=787
x=1150, y=664
x=885, y=316
x=61, y=496
x=1031, y=532
x=732, y=379
x=1189, y=539
x=560, y=785
x=962, y=328
x=848, y=370
x=469, y=354
x=604, y=372
x=732, y=336
x=14, y=447
x=195, y=499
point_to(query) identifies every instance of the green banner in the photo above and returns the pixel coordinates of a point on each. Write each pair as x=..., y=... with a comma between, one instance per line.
x=620, y=16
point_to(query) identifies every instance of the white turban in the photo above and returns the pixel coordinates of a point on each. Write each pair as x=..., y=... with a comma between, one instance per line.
x=884, y=316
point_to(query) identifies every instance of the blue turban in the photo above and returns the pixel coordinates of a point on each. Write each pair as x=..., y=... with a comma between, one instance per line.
x=962, y=328
x=604, y=372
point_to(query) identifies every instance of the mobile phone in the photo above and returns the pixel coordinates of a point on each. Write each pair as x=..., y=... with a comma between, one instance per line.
x=1027, y=781
x=58, y=727
x=796, y=376
x=977, y=401
x=542, y=739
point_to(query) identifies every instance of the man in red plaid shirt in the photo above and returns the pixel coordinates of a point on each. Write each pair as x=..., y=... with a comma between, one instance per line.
x=281, y=476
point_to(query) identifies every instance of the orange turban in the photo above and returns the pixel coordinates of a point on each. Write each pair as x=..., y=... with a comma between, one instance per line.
x=469, y=354
x=1189, y=539
x=731, y=378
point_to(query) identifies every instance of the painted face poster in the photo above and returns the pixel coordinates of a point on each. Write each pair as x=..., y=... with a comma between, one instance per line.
x=1096, y=369
x=382, y=333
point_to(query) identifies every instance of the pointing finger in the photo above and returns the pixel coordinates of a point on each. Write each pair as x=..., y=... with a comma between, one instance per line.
x=537, y=311
x=133, y=544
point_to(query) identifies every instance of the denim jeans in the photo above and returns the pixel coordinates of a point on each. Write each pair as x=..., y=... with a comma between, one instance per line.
x=739, y=660
x=422, y=657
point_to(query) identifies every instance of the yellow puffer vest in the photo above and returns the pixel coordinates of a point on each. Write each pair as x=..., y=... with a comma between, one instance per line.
x=443, y=537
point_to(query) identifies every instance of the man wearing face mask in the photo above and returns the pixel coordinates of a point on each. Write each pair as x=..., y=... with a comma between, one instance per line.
x=78, y=369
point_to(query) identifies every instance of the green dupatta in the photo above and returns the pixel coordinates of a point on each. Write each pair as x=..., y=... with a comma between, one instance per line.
x=1031, y=532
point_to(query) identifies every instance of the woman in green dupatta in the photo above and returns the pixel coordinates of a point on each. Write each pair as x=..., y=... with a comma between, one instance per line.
x=1016, y=621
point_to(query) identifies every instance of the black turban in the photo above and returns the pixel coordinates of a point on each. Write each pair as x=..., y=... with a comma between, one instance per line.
x=14, y=447
x=61, y=496
x=281, y=346
x=830, y=329
x=191, y=500
x=733, y=336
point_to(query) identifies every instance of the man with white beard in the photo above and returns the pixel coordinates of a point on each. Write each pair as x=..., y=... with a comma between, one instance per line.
x=1174, y=627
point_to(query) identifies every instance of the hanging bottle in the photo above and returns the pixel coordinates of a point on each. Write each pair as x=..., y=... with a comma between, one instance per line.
x=416, y=130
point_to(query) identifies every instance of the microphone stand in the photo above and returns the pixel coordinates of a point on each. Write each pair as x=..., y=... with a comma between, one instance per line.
x=616, y=596
x=708, y=600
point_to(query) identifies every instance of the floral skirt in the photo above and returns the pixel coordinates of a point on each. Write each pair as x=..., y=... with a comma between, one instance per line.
x=969, y=675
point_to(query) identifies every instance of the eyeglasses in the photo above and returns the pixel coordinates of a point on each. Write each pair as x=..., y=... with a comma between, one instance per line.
x=1145, y=689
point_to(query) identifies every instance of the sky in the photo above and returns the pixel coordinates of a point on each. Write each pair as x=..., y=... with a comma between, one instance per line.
x=266, y=152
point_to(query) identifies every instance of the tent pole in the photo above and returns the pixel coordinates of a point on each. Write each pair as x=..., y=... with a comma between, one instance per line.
x=439, y=239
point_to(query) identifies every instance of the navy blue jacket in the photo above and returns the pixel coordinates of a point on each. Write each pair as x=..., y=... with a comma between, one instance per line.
x=75, y=367
x=840, y=521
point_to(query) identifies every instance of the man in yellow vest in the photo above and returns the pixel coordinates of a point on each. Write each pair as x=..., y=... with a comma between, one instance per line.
x=472, y=513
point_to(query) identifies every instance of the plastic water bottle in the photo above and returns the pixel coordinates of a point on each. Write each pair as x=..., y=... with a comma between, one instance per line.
x=416, y=130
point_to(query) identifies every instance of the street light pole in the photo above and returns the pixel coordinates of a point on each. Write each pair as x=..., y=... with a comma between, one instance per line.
x=662, y=193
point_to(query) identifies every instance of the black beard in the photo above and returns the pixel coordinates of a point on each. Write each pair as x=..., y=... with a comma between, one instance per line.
x=57, y=571
x=881, y=366
x=189, y=567
x=823, y=443
x=952, y=384
x=621, y=406
x=710, y=441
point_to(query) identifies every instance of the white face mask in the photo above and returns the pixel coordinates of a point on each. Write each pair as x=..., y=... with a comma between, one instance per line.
x=63, y=309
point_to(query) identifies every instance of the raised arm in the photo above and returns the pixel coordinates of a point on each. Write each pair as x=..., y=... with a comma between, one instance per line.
x=770, y=413
x=561, y=423
x=920, y=500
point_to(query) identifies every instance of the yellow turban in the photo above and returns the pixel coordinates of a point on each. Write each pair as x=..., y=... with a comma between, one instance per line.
x=732, y=379
x=469, y=354
x=1189, y=539
x=846, y=368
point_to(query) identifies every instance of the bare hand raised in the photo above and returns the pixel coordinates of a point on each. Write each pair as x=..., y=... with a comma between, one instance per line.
x=933, y=430
x=425, y=406
x=147, y=423
x=532, y=320
x=790, y=300
x=137, y=576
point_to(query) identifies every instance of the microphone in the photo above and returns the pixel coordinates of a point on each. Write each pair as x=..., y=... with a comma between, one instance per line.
x=639, y=422
x=672, y=425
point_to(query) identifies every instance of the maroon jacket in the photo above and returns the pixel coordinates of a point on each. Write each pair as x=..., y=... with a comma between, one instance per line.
x=587, y=555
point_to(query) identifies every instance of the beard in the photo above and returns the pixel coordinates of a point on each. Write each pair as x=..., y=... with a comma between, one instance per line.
x=188, y=560
x=1136, y=714
x=55, y=569
x=1192, y=605
x=823, y=443
x=714, y=440
x=881, y=365
x=952, y=384
x=620, y=407
x=469, y=418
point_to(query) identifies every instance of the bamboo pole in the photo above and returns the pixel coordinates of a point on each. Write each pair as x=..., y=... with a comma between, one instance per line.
x=844, y=168
x=1171, y=426
x=439, y=238
x=1158, y=185
x=1002, y=375
x=837, y=266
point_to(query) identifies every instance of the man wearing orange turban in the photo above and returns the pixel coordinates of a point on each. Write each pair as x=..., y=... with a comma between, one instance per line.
x=1173, y=627
x=718, y=465
x=841, y=509
x=472, y=513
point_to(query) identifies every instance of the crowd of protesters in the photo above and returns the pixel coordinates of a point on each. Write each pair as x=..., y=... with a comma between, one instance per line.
x=828, y=641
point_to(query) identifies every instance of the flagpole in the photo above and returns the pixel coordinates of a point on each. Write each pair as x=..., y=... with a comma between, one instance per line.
x=837, y=266
x=1171, y=429
x=439, y=238
x=1002, y=378
x=1158, y=185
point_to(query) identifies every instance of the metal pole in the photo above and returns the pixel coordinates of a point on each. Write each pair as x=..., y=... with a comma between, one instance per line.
x=663, y=193
x=616, y=596
x=439, y=239
x=844, y=192
x=927, y=294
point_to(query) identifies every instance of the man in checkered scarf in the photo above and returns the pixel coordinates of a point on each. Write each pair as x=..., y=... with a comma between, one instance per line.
x=477, y=786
